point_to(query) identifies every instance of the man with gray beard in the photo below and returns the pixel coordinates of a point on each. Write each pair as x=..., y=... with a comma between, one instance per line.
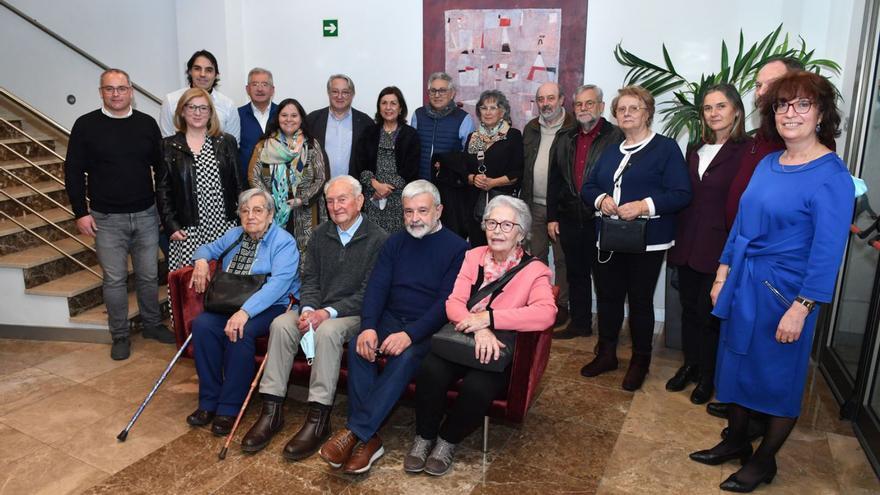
x=569, y=219
x=539, y=140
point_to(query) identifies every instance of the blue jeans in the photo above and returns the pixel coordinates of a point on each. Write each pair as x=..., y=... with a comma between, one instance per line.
x=118, y=235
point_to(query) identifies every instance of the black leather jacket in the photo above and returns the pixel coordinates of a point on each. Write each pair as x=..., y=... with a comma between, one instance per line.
x=176, y=195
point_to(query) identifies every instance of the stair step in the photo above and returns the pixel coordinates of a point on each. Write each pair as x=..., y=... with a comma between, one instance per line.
x=98, y=314
x=19, y=192
x=72, y=284
x=42, y=254
x=17, y=163
x=8, y=227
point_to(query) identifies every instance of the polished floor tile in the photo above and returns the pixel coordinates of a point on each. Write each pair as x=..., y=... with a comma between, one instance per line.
x=82, y=364
x=27, y=386
x=50, y=472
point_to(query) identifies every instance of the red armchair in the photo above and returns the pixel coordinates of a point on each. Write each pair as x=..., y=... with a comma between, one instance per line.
x=530, y=356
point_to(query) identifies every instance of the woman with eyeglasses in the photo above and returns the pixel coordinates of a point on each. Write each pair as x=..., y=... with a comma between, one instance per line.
x=288, y=163
x=493, y=160
x=198, y=182
x=700, y=236
x=642, y=183
x=526, y=304
x=780, y=261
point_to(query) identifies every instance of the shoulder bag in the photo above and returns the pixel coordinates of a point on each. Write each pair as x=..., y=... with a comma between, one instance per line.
x=623, y=236
x=226, y=292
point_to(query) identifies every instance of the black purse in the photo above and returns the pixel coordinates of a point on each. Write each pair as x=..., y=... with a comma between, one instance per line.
x=227, y=292
x=622, y=236
x=459, y=347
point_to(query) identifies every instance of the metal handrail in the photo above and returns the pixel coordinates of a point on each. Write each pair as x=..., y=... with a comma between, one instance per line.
x=73, y=47
x=27, y=106
x=29, y=186
x=32, y=164
x=50, y=222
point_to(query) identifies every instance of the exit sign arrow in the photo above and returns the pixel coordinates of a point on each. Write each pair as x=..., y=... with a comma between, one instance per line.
x=331, y=27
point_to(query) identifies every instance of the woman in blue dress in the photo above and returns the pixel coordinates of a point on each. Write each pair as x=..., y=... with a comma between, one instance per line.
x=781, y=259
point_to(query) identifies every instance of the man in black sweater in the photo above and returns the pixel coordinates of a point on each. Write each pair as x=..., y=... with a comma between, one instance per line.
x=117, y=148
x=337, y=263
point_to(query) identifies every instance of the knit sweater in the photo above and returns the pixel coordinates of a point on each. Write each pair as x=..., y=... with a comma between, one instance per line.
x=335, y=275
x=412, y=279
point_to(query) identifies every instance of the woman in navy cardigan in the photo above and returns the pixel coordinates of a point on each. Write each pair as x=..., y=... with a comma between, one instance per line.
x=701, y=235
x=644, y=177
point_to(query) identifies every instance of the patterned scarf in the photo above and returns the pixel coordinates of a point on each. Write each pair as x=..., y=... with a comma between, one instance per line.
x=279, y=156
x=484, y=138
x=443, y=112
x=244, y=259
x=493, y=270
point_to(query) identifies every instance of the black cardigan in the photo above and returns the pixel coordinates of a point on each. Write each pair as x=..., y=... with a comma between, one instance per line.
x=407, y=149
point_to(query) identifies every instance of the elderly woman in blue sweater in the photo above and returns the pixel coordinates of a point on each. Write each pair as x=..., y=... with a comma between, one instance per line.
x=225, y=344
x=644, y=179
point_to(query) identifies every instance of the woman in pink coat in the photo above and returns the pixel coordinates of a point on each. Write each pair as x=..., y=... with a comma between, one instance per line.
x=524, y=304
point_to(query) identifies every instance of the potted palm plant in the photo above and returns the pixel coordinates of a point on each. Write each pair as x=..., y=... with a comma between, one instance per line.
x=682, y=113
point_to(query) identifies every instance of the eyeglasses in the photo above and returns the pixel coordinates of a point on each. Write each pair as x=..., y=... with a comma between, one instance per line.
x=260, y=84
x=586, y=104
x=197, y=108
x=343, y=92
x=256, y=210
x=438, y=91
x=631, y=109
x=490, y=225
x=489, y=108
x=800, y=106
x=123, y=90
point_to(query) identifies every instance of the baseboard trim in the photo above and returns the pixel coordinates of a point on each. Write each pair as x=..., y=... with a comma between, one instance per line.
x=95, y=336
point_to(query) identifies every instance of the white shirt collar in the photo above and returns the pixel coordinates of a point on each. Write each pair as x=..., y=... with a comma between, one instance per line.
x=107, y=113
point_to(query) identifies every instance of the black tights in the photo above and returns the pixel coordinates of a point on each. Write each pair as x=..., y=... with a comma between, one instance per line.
x=763, y=461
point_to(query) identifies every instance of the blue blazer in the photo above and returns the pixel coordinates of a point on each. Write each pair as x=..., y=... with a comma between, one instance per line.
x=658, y=171
x=250, y=134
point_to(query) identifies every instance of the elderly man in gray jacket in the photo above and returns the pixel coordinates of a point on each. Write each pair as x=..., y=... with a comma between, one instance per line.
x=337, y=264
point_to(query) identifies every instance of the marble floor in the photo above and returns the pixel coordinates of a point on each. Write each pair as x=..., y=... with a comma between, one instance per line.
x=62, y=405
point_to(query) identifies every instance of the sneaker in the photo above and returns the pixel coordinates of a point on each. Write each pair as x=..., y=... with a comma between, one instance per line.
x=161, y=333
x=120, y=349
x=414, y=462
x=364, y=455
x=440, y=460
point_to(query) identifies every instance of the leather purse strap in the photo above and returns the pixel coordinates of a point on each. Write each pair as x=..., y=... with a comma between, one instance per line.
x=225, y=252
x=499, y=283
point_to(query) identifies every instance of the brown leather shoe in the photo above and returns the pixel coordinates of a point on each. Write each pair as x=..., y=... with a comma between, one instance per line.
x=364, y=455
x=313, y=433
x=605, y=360
x=635, y=374
x=271, y=421
x=337, y=450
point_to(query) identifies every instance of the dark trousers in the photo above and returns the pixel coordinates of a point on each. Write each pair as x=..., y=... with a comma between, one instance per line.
x=628, y=278
x=699, y=329
x=371, y=394
x=478, y=389
x=226, y=368
x=578, y=241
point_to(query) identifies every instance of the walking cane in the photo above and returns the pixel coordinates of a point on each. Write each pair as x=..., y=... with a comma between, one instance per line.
x=124, y=433
x=247, y=399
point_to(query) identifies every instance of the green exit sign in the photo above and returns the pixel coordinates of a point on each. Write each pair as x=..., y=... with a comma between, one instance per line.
x=331, y=27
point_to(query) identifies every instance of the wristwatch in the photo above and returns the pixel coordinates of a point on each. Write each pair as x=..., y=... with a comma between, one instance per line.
x=810, y=305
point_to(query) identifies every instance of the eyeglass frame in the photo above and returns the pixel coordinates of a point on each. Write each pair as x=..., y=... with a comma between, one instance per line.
x=498, y=225
x=788, y=104
x=122, y=90
x=196, y=109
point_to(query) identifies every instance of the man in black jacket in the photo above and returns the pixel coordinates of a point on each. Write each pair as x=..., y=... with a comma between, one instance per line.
x=569, y=220
x=117, y=148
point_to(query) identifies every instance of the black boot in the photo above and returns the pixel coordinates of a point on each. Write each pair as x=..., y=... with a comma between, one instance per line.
x=703, y=391
x=269, y=423
x=605, y=360
x=688, y=373
x=312, y=435
x=635, y=374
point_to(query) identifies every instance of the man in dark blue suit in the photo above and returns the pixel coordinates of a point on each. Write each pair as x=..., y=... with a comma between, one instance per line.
x=254, y=115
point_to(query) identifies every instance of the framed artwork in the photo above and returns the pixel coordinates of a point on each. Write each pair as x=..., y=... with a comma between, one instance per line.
x=513, y=47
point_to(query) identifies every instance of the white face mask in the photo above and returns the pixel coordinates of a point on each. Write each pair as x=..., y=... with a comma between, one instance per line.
x=861, y=186
x=307, y=343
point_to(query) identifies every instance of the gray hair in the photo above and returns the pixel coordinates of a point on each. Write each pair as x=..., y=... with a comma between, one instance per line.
x=248, y=194
x=587, y=87
x=500, y=100
x=558, y=89
x=441, y=75
x=356, y=187
x=421, y=186
x=260, y=70
x=519, y=207
x=113, y=71
x=343, y=77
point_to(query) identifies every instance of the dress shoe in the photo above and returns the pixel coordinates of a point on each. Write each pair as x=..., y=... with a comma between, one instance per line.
x=364, y=455
x=688, y=373
x=337, y=449
x=440, y=460
x=222, y=425
x=311, y=435
x=573, y=330
x=755, y=431
x=635, y=374
x=713, y=459
x=161, y=333
x=414, y=462
x=605, y=360
x=702, y=392
x=271, y=420
x=199, y=417
x=717, y=409
x=121, y=348
x=733, y=484
x=561, y=316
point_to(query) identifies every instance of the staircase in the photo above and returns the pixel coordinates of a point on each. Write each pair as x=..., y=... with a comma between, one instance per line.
x=50, y=279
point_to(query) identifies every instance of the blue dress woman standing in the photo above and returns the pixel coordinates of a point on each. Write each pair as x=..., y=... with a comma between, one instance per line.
x=781, y=259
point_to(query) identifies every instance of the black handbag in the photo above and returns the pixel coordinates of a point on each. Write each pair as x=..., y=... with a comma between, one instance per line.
x=622, y=236
x=226, y=292
x=459, y=347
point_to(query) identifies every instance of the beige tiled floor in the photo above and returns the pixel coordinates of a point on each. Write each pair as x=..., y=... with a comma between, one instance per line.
x=62, y=405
